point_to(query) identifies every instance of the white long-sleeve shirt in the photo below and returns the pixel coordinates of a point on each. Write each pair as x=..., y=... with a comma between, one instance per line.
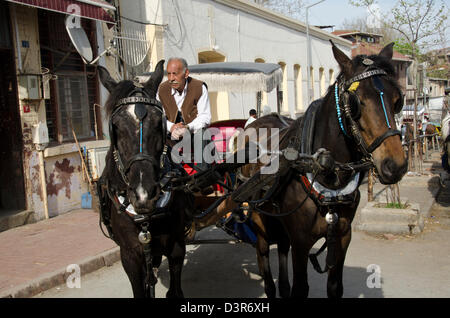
x=203, y=118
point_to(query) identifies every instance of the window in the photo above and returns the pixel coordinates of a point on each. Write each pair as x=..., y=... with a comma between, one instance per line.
x=75, y=91
x=311, y=85
x=298, y=88
x=261, y=97
x=283, y=106
x=220, y=108
x=331, y=77
x=321, y=81
x=73, y=106
x=409, y=75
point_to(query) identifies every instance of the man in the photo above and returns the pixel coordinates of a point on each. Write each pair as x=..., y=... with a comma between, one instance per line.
x=185, y=100
x=252, y=117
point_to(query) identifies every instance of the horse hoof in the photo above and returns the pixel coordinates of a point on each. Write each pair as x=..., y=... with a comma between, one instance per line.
x=285, y=291
x=172, y=295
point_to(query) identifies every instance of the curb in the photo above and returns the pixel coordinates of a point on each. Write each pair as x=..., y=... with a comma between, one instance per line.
x=59, y=277
x=371, y=223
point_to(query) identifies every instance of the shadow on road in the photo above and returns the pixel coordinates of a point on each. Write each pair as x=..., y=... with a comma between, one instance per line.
x=231, y=271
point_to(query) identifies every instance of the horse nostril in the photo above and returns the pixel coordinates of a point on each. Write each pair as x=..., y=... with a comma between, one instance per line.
x=388, y=167
x=391, y=171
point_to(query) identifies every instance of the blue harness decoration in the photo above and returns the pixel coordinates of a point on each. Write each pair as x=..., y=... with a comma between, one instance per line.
x=338, y=109
x=342, y=91
x=379, y=86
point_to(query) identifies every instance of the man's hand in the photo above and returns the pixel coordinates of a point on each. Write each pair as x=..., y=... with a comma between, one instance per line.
x=178, y=130
x=177, y=126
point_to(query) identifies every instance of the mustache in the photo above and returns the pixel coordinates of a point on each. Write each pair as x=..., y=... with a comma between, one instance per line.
x=174, y=82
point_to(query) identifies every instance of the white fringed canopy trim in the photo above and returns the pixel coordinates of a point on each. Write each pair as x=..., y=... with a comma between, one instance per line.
x=240, y=82
x=248, y=80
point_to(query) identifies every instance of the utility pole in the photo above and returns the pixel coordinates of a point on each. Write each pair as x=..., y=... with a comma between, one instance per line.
x=308, y=54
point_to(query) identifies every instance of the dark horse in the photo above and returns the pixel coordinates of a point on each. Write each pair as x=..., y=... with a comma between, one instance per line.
x=132, y=178
x=355, y=123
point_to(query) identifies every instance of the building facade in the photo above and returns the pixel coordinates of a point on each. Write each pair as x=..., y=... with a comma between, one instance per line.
x=48, y=95
x=52, y=100
x=205, y=31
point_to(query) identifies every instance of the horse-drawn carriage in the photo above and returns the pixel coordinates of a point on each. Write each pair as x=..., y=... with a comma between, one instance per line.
x=297, y=184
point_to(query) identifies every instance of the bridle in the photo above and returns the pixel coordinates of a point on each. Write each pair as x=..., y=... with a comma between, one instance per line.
x=345, y=92
x=142, y=102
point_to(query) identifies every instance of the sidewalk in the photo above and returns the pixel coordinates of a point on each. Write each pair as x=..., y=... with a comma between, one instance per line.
x=34, y=257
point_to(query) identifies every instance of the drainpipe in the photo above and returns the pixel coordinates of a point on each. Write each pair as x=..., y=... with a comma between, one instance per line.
x=40, y=139
x=16, y=29
x=43, y=181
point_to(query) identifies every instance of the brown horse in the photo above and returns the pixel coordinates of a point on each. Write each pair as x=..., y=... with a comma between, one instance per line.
x=354, y=122
x=430, y=130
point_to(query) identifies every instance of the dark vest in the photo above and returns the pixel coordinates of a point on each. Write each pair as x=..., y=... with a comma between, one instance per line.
x=189, y=108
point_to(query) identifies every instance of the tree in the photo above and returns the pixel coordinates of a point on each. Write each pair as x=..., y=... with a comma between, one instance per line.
x=416, y=20
x=290, y=8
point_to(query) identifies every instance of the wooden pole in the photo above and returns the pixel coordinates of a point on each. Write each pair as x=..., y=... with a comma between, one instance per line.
x=415, y=129
x=370, y=186
x=83, y=164
x=43, y=183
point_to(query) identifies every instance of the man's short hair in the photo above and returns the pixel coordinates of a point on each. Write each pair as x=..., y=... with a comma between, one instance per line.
x=180, y=59
x=252, y=112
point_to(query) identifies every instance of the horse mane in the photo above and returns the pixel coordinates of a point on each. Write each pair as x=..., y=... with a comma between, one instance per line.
x=122, y=90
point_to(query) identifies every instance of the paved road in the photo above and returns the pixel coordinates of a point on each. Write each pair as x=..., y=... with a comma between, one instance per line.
x=410, y=267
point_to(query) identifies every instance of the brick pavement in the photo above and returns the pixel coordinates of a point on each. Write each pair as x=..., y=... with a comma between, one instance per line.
x=46, y=248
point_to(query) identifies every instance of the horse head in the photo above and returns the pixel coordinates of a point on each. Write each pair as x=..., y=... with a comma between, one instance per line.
x=368, y=90
x=137, y=131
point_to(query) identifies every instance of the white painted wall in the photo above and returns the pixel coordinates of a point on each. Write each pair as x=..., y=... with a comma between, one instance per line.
x=243, y=31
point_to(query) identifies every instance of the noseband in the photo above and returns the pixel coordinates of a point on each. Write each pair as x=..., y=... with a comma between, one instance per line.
x=142, y=102
x=344, y=90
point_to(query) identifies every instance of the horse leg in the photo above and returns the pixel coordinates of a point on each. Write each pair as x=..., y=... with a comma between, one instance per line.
x=262, y=255
x=335, y=288
x=133, y=264
x=176, y=259
x=300, y=287
x=283, y=275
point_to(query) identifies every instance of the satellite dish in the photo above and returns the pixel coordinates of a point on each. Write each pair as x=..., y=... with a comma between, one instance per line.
x=79, y=40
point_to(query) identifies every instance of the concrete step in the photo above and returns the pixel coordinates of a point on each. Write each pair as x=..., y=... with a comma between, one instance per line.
x=15, y=219
x=376, y=219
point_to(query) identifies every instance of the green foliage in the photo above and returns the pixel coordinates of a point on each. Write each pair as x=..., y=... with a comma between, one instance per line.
x=404, y=47
x=395, y=205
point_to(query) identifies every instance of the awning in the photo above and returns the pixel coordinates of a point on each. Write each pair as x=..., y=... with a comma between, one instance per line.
x=238, y=76
x=90, y=9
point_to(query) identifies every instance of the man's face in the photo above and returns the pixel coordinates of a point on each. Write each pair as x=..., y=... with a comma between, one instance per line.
x=176, y=76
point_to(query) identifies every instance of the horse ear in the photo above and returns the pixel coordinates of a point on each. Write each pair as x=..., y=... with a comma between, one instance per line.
x=343, y=60
x=106, y=79
x=156, y=77
x=387, y=51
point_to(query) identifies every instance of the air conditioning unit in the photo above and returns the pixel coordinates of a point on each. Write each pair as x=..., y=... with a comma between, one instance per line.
x=96, y=161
